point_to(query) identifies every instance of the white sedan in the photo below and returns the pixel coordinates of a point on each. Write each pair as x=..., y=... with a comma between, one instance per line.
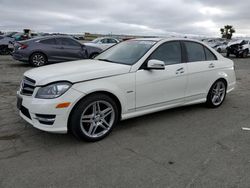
x=133, y=78
x=103, y=42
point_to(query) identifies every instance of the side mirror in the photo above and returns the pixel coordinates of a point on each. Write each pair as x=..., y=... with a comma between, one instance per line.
x=155, y=64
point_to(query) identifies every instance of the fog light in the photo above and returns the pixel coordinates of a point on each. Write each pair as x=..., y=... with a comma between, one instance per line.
x=46, y=119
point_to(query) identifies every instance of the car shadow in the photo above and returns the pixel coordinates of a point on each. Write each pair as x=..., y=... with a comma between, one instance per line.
x=18, y=64
x=169, y=113
x=69, y=139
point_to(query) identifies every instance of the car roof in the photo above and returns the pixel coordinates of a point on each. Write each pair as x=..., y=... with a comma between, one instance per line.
x=149, y=39
x=50, y=37
x=99, y=38
x=167, y=39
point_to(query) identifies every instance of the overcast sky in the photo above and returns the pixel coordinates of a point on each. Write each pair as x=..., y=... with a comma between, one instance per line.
x=142, y=17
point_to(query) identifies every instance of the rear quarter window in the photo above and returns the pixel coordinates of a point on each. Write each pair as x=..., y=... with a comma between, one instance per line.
x=209, y=55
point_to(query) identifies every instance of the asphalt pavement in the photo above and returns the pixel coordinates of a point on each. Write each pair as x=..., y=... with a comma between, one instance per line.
x=187, y=147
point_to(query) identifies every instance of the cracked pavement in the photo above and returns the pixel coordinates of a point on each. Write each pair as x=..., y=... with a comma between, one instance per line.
x=185, y=147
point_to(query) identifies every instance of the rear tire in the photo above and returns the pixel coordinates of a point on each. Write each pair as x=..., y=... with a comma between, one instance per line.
x=4, y=50
x=245, y=54
x=93, y=118
x=217, y=94
x=38, y=59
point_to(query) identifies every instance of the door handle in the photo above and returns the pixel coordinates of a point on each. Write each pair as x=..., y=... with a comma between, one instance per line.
x=180, y=71
x=211, y=65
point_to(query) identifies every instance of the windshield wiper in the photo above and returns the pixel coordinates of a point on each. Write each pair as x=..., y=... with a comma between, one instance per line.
x=107, y=60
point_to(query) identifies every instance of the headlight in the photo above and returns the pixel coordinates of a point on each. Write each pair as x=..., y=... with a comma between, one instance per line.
x=53, y=90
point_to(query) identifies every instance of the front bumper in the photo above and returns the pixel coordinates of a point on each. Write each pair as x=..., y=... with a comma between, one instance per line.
x=31, y=110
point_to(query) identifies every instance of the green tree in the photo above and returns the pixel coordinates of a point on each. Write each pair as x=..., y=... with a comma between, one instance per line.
x=227, y=31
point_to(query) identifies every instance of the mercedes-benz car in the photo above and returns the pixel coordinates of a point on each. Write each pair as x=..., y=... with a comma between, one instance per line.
x=136, y=77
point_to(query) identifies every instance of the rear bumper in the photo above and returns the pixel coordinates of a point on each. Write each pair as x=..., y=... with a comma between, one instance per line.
x=231, y=87
x=19, y=57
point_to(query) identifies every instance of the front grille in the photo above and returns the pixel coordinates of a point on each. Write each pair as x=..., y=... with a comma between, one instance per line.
x=25, y=112
x=27, y=86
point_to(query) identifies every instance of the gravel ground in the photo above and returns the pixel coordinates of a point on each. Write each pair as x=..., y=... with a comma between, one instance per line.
x=185, y=147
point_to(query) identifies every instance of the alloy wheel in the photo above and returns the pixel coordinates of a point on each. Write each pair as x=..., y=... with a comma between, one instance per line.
x=97, y=119
x=218, y=93
x=38, y=60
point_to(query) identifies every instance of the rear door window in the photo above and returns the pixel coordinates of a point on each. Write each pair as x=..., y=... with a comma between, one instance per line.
x=209, y=55
x=195, y=51
x=68, y=42
x=48, y=41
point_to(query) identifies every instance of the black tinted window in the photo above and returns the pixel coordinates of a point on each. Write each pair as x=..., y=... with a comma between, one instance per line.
x=104, y=41
x=68, y=42
x=209, y=55
x=195, y=52
x=48, y=41
x=112, y=41
x=169, y=52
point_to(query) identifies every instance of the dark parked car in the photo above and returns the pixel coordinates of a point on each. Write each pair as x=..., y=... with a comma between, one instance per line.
x=4, y=43
x=239, y=48
x=51, y=49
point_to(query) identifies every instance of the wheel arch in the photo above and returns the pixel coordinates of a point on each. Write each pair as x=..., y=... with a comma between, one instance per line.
x=218, y=79
x=38, y=51
x=111, y=95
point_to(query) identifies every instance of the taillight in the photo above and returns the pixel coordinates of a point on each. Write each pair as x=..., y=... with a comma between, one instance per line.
x=22, y=46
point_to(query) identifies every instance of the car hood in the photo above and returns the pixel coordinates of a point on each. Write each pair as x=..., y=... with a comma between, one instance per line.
x=76, y=71
x=235, y=42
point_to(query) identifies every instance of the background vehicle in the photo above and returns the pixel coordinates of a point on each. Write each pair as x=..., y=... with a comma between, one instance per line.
x=221, y=48
x=239, y=48
x=5, y=41
x=133, y=78
x=103, y=42
x=40, y=51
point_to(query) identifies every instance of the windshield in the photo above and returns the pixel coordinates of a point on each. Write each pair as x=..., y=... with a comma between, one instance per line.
x=128, y=52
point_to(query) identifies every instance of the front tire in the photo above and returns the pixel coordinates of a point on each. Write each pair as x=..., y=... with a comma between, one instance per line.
x=94, y=117
x=38, y=59
x=217, y=94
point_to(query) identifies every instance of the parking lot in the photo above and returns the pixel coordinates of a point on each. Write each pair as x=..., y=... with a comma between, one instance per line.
x=190, y=146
